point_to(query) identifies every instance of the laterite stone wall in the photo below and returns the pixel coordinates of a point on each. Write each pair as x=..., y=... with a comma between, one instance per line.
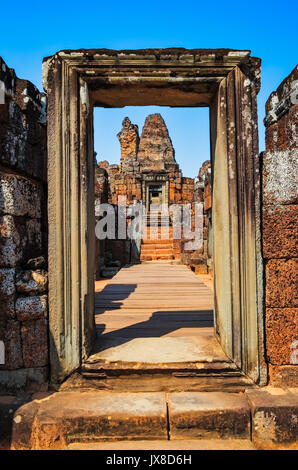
x=279, y=225
x=23, y=233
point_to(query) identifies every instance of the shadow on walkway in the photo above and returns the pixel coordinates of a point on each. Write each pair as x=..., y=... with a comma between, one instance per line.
x=159, y=324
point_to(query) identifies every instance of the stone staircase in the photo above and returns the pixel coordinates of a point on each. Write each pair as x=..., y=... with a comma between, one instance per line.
x=158, y=244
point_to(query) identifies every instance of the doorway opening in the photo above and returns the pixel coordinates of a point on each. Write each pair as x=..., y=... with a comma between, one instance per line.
x=153, y=308
x=155, y=194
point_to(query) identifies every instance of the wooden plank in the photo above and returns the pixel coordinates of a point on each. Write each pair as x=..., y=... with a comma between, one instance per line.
x=154, y=301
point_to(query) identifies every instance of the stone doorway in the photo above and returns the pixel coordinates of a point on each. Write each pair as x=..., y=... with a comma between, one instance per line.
x=156, y=194
x=156, y=332
x=227, y=81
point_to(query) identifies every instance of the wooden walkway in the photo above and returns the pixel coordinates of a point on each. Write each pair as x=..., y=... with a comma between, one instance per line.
x=154, y=313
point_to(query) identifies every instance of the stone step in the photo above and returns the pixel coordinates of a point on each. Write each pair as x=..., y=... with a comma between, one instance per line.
x=68, y=419
x=86, y=416
x=154, y=251
x=156, y=257
x=65, y=417
x=158, y=237
x=175, y=261
x=158, y=216
x=158, y=228
x=158, y=234
x=157, y=251
x=206, y=381
x=218, y=375
x=179, y=444
x=170, y=227
x=208, y=415
x=155, y=233
x=157, y=246
x=159, y=241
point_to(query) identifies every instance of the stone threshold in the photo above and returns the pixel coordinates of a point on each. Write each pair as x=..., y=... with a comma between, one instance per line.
x=267, y=417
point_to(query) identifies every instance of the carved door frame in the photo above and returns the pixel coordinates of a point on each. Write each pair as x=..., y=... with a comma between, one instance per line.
x=225, y=80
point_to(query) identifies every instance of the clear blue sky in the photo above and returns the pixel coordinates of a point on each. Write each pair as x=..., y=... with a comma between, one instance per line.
x=31, y=30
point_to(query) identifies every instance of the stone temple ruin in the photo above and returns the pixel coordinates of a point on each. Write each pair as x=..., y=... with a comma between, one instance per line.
x=48, y=253
x=148, y=172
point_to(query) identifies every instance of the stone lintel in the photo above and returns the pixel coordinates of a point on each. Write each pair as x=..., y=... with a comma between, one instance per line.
x=91, y=61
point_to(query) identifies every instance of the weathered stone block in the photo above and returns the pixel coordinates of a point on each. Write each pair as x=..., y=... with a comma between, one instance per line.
x=33, y=245
x=281, y=332
x=28, y=98
x=7, y=292
x=10, y=334
x=274, y=418
x=8, y=77
x=207, y=197
x=8, y=405
x=283, y=133
x=283, y=376
x=35, y=343
x=12, y=141
x=281, y=283
x=20, y=239
x=22, y=438
x=32, y=282
x=279, y=177
x=23, y=133
x=10, y=242
x=19, y=196
x=282, y=99
x=208, y=415
x=37, y=263
x=13, y=380
x=201, y=269
x=271, y=136
x=108, y=416
x=37, y=378
x=31, y=308
x=30, y=379
x=280, y=231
